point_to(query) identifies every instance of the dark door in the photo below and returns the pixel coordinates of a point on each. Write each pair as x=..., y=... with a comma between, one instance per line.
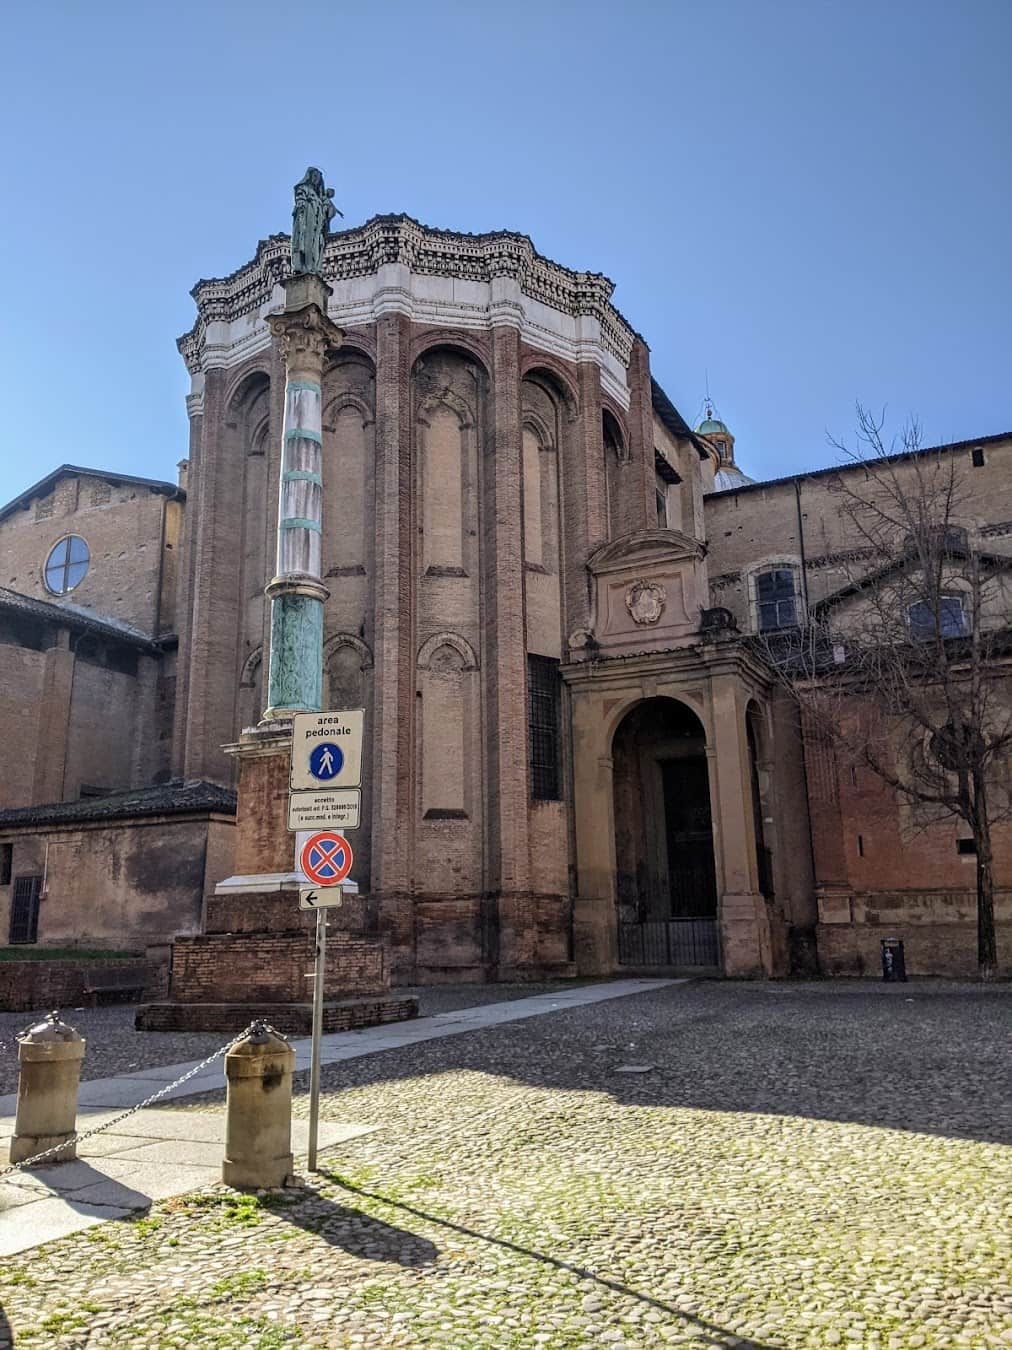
x=25, y=910
x=689, y=828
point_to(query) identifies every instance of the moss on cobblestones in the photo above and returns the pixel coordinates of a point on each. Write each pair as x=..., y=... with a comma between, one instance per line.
x=767, y=1185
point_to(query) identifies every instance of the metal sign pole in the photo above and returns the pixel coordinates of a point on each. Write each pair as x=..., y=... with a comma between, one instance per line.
x=314, y=1063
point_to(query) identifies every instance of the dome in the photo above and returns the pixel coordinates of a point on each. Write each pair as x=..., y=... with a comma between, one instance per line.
x=710, y=426
x=729, y=477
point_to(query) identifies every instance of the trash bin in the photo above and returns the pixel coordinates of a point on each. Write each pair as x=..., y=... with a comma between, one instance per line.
x=893, y=965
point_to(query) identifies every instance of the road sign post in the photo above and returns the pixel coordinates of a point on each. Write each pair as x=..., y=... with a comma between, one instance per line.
x=324, y=796
x=314, y=1059
x=326, y=859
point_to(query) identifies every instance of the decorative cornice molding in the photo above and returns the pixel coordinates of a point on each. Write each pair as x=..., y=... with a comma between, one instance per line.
x=506, y=263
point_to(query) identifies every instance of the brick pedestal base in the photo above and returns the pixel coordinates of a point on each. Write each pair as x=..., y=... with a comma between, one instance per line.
x=292, y=1019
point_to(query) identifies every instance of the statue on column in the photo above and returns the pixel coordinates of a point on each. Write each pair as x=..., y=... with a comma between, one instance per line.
x=311, y=217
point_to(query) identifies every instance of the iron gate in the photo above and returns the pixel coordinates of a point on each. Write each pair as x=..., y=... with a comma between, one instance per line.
x=669, y=942
x=25, y=910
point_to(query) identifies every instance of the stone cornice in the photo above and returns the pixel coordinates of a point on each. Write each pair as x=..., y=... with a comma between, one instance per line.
x=496, y=278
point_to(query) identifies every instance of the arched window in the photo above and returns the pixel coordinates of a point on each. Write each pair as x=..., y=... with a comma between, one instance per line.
x=67, y=564
x=776, y=598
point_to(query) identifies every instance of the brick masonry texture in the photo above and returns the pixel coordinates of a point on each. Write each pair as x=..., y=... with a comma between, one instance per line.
x=291, y=1019
x=58, y=984
x=471, y=484
x=272, y=967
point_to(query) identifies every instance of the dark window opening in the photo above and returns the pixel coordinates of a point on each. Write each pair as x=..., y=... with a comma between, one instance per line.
x=977, y=457
x=25, y=910
x=543, y=716
x=776, y=599
x=662, y=509
x=949, y=622
x=966, y=846
x=860, y=845
x=6, y=863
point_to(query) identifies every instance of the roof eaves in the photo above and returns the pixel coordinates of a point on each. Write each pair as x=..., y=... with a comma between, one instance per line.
x=38, y=489
x=969, y=444
x=673, y=419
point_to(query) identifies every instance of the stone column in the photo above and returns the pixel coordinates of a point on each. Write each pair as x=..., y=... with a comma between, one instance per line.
x=296, y=591
x=744, y=924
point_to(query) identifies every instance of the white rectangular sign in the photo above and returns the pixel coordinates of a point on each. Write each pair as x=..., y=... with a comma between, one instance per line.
x=327, y=750
x=323, y=897
x=339, y=809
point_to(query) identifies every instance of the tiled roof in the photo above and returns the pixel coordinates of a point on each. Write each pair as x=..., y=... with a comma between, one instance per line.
x=168, y=799
x=44, y=484
x=73, y=616
x=754, y=485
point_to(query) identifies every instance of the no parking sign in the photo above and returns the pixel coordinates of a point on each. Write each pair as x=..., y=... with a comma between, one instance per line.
x=326, y=858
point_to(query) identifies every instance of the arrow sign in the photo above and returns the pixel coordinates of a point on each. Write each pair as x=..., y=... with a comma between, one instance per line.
x=330, y=898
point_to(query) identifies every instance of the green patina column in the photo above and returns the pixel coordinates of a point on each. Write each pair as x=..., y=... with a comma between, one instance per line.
x=297, y=591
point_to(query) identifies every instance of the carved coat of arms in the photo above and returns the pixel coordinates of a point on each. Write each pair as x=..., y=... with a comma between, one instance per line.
x=645, y=601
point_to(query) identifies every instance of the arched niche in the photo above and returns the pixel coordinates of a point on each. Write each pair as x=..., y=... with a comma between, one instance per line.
x=616, y=456
x=348, y=485
x=248, y=423
x=346, y=663
x=250, y=697
x=449, y=727
x=543, y=421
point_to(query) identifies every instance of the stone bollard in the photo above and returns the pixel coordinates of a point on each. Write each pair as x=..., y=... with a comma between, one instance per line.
x=50, y=1055
x=258, y=1111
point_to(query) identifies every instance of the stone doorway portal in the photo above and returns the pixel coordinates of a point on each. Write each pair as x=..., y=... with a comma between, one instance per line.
x=666, y=886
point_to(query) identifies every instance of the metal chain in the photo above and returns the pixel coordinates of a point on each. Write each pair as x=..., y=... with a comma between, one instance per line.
x=77, y=1137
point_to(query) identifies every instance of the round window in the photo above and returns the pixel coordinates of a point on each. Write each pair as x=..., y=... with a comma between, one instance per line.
x=67, y=564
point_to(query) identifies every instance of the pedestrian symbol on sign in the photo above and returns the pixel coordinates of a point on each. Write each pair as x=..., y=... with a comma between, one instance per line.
x=326, y=760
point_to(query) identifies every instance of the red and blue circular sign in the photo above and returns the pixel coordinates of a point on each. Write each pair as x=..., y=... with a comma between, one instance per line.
x=326, y=858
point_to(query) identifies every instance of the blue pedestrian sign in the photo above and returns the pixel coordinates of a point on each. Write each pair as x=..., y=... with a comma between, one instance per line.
x=326, y=761
x=327, y=751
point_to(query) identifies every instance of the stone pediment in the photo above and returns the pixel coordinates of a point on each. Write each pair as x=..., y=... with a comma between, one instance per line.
x=649, y=589
x=643, y=549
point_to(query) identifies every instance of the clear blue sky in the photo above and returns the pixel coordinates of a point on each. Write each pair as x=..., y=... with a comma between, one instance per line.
x=810, y=201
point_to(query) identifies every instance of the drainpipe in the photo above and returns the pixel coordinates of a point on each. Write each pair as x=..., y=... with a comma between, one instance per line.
x=804, y=758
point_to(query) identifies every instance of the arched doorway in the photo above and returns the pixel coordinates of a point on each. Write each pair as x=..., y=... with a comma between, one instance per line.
x=666, y=885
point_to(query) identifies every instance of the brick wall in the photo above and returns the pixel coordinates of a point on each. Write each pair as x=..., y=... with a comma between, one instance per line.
x=272, y=967
x=122, y=525
x=42, y=985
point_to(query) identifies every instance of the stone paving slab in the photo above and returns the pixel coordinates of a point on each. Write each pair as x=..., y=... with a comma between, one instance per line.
x=117, y=1176
x=184, y=1149
x=794, y=1172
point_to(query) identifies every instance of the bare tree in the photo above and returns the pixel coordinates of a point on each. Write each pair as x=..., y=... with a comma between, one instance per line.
x=905, y=669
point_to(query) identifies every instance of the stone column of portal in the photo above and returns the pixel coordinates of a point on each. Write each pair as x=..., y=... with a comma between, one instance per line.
x=296, y=591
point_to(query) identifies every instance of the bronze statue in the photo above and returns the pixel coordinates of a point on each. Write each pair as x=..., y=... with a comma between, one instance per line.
x=311, y=217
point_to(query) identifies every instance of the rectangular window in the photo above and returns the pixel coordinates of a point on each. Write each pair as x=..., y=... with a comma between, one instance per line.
x=776, y=600
x=543, y=717
x=25, y=910
x=966, y=846
x=6, y=863
x=977, y=457
x=951, y=621
x=662, y=509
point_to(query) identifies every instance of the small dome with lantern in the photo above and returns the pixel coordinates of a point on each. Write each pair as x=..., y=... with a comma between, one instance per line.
x=727, y=475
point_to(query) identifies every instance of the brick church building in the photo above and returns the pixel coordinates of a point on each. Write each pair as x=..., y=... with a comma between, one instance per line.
x=542, y=587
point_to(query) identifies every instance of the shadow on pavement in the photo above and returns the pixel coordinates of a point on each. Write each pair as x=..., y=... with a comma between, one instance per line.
x=707, y=1332
x=355, y=1232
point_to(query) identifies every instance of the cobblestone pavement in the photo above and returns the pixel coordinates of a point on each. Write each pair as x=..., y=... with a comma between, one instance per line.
x=792, y=1166
x=114, y=1047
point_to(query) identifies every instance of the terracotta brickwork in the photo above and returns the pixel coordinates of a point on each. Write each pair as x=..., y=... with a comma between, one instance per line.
x=271, y=968
x=25, y=985
x=521, y=548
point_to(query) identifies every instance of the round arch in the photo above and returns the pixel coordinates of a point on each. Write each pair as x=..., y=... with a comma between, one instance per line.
x=665, y=865
x=544, y=371
x=450, y=340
